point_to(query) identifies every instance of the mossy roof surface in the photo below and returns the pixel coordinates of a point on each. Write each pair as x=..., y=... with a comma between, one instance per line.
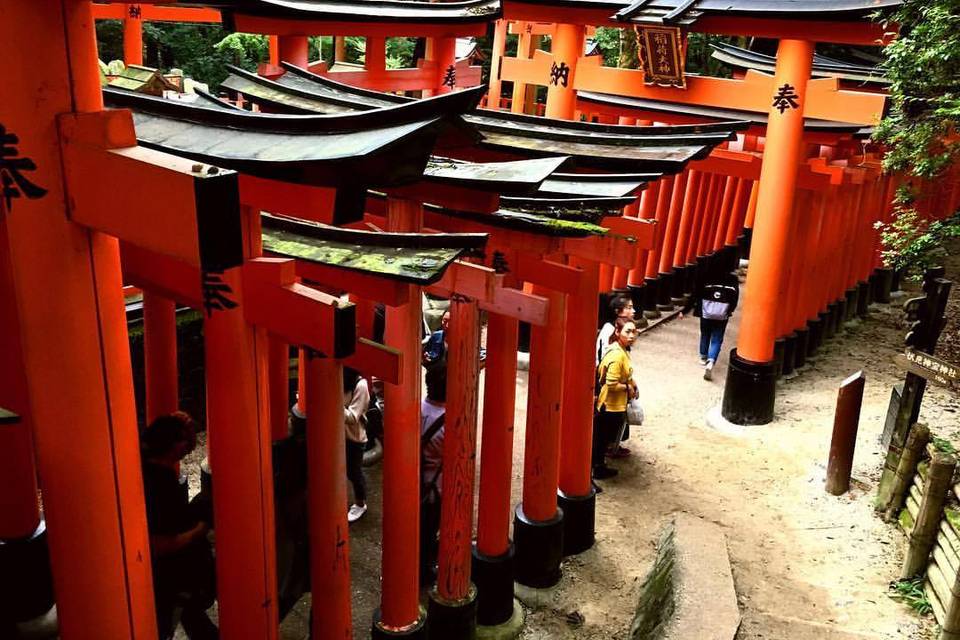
x=415, y=265
x=8, y=417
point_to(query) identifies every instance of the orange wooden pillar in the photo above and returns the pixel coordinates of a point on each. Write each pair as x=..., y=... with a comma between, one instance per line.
x=18, y=473
x=495, y=87
x=453, y=600
x=577, y=497
x=688, y=215
x=375, y=62
x=327, y=495
x=300, y=406
x=524, y=95
x=493, y=554
x=538, y=523
x=443, y=53
x=273, y=48
x=132, y=35
x=160, y=355
x=294, y=49
x=399, y=613
x=278, y=380
x=810, y=328
x=667, y=274
x=636, y=277
x=78, y=371
x=566, y=48
x=652, y=283
x=240, y=462
x=793, y=283
x=750, y=389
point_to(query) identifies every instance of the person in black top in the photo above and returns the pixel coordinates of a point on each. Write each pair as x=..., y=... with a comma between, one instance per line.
x=714, y=302
x=183, y=567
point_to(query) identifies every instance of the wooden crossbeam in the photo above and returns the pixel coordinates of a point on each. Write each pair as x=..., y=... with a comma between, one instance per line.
x=471, y=280
x=423, y=76
x=149, y=12
x=274, y=300
x=390, y=292
x=287, y=198
x=518, y=304
x=164, y=203
x=286, y=27
x=642, y=231
x=550, y=274
x=373, y=358
x=163, y=275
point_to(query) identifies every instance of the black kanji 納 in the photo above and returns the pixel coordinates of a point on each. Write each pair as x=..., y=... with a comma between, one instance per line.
x=559, y=74
x=13, y=184
x=786, y=98
x=216, y=293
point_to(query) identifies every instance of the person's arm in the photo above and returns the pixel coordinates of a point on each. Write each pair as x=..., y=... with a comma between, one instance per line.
x=166, y=544
x=615, y=380
x=359, y=403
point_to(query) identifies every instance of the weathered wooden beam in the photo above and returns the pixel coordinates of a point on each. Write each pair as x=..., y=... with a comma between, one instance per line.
x=275, y=301
x=472, y=280
x=163, y=275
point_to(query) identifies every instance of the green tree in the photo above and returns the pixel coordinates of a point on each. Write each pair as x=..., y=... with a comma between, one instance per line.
x=922, y=64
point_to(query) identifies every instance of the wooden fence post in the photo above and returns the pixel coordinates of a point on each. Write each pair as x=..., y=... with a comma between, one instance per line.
x=906, y=469
x=924, y=533
x=844, y=440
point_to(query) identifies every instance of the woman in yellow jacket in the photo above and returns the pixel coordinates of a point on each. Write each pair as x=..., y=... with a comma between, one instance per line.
x=615, y=388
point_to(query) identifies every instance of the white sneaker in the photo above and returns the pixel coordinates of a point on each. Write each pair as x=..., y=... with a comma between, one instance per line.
x=356, y=512
x=708, y=371
x=703, y=360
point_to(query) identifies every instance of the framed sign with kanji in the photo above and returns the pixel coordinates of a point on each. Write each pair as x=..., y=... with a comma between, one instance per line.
x=662, y=51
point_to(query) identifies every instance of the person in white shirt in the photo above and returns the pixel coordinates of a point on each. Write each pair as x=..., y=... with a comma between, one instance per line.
x=620, y=307
x=356, y=400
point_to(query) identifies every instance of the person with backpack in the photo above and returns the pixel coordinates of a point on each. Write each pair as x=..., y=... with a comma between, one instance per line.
x=615, y=388
x=714, y=303
x=432, y=414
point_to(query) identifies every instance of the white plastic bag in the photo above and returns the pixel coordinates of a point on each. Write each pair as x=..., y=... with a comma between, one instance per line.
x=634, y=412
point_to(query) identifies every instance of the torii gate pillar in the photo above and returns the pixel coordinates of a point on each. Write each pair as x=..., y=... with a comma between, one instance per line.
x=751, y=380
x=294, y=49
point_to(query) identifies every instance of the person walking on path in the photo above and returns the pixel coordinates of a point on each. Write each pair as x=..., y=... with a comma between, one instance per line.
x=714, y=303
x=615, y=388
x=183, y=565
x=433, y=410
x=356, y=400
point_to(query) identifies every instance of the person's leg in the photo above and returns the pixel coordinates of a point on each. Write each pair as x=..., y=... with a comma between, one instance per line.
x=197, y=625
x=609, y=430
x=599, y=443
x=704, y=338
x=355, y=472
x=716, y=339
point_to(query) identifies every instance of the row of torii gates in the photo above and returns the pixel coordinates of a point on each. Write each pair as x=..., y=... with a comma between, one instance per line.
x=264, y=219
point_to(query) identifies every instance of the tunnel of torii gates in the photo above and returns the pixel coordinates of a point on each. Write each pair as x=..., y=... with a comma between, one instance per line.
x=263, y=220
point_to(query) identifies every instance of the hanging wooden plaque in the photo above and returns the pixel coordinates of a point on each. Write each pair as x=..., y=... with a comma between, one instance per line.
x=662, y=52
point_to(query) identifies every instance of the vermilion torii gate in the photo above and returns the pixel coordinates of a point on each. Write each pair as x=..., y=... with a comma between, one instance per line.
x=787, y=97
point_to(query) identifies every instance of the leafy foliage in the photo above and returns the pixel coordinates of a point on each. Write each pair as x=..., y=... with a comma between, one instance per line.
x=920, y=129
x=913, y=244
x=910, y=592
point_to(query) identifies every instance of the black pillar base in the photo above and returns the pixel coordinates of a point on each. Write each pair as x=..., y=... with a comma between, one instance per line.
x=638, y=295
x=872, y=287
x=883, y=285
x=694, y=269
x=702, y=269
x=579, y=516
x=802, y=349
x=678, y=285
x=830, y=322
x=666, y=289
x=896, y=280
x=416, y=631
x=452, y=620
x=494, y=580
x=731, y=258
x=652, y=285
x=750, y=391
x=789, y=354
x=744, y=242
x=850, y=311
x=539, y=548
x=863, y=299
x=26, y=585
x=778, y=347
x=841, y=315
x=815, y=327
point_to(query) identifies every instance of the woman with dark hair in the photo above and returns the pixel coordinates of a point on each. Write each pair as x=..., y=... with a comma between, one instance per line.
x=183, y=568
x=356, y=400
x=615, y=387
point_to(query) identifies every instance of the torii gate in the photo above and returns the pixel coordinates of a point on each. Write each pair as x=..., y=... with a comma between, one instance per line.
x=750, y=392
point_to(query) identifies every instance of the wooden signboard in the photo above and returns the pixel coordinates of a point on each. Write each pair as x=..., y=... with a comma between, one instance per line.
x=930, y=368
x=662, y=52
